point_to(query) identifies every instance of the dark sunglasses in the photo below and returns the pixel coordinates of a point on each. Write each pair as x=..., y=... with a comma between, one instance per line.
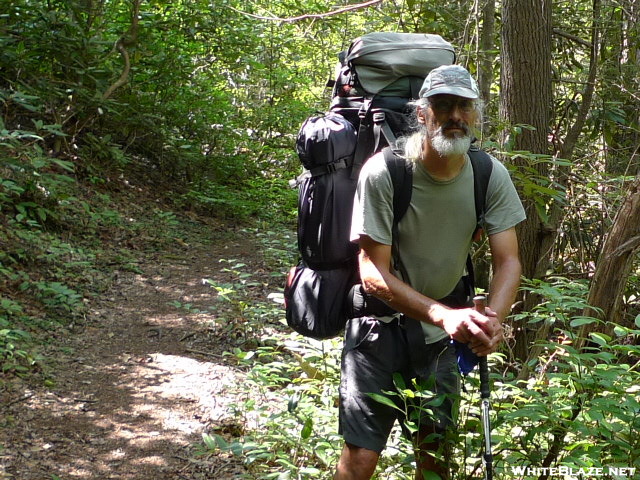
x=447, y=105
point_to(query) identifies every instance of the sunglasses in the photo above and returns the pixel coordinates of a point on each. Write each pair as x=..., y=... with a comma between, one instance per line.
x=447, y=105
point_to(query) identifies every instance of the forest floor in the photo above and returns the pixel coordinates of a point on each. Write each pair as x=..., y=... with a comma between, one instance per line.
x=133, y=387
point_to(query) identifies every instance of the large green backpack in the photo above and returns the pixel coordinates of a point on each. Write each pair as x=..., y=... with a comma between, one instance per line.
x=377, y=79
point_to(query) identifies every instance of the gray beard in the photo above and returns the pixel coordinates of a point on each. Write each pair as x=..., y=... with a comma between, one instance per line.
x=450, y=146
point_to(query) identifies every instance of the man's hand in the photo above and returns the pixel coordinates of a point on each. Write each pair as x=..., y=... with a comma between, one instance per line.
x=483, y=333
x=493, y=329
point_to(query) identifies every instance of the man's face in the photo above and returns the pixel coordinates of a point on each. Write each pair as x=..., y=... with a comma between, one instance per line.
x=447, y=122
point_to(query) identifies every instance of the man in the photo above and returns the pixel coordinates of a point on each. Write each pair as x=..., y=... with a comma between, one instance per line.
x=433, y=241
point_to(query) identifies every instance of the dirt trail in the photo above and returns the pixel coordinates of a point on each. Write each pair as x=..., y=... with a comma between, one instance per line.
x=141, y=382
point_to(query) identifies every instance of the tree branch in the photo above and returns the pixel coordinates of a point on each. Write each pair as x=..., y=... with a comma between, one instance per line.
x=629, y=246
x=125, y=71
x=129, y=39
x=310, y=15
x=558, y=439
x=573, y=38
x=567, y=147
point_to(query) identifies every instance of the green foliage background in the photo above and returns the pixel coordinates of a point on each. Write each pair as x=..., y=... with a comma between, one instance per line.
x=207, y=114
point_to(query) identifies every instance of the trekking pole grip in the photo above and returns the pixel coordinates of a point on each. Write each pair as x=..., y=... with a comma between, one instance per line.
x=480, y=303
x=484, y=378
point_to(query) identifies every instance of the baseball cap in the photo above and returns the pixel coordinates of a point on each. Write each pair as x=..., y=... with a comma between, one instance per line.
x=451, y=79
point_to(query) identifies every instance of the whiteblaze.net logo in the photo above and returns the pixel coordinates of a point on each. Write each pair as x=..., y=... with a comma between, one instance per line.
x=573, y=472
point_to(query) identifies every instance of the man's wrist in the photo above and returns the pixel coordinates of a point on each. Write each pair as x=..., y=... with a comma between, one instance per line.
x=436, y=313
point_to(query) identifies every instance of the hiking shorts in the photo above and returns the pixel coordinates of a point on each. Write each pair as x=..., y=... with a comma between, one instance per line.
x=373, y=353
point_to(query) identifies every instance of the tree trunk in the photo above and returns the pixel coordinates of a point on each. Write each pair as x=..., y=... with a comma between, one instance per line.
x=525, y=85
x=623, y=145
x=615, y=262
x=526, y=96
x=487, y=45
x=486, y=58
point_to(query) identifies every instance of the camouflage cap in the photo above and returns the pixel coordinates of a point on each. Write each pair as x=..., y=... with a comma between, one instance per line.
x=450, y=79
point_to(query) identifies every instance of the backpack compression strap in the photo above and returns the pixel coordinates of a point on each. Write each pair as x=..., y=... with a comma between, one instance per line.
x=339, y=164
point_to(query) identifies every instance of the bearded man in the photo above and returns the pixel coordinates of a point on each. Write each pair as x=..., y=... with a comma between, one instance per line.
x=432, y=243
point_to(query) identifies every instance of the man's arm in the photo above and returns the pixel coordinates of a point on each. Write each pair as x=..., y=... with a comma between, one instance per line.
x=463, y=325
x=505, y=281
x=506, y=271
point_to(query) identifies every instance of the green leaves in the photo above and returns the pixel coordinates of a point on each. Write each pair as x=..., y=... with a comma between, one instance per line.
x=385, y=400
x=562, y=301
x=579, y=321
x=307, y=428
x=533, y=180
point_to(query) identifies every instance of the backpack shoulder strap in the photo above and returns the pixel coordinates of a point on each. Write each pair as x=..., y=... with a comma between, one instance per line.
x=402, y=179
x=482, y=167
x=363, y=145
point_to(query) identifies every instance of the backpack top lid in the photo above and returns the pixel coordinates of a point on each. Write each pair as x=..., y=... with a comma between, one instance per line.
x=381, y=58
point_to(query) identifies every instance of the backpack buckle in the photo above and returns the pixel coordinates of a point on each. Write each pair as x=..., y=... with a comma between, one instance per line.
x=337, y=165
x=378, y=117
x=332, y=167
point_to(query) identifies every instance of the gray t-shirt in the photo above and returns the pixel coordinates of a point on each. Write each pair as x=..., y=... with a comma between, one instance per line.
x=434, y=236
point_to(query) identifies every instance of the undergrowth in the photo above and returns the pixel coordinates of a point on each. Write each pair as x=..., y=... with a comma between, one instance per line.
x=49, y=276
x=578, y=410
x=62, y=237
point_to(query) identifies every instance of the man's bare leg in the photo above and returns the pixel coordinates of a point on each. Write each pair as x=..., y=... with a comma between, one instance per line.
x=356, y=463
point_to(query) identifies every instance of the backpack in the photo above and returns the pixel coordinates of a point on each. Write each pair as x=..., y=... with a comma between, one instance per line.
x=377, y=79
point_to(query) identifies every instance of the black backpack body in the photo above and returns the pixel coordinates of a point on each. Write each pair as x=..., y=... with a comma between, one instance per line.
x=377, y=79
x=315, y=290
x=325, y=196
x=319, y=293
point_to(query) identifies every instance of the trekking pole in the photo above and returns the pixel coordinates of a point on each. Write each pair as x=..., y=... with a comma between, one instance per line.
x=485, y=393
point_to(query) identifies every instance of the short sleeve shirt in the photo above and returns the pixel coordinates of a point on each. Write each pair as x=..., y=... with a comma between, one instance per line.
x=434, y=236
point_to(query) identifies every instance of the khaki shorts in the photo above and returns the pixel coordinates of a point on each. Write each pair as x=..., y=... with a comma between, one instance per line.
x=375, y=352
